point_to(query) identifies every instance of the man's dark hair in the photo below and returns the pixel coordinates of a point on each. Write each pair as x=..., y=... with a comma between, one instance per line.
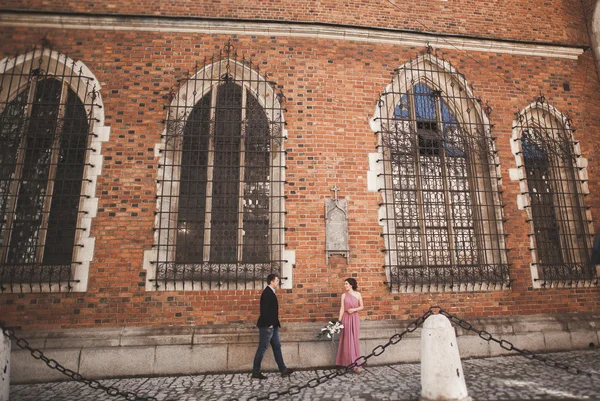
x=272, y=277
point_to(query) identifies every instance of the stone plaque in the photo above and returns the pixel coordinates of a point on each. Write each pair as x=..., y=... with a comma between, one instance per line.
x=336, y=224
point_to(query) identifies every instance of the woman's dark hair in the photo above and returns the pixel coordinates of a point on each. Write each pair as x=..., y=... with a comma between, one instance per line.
x=352, y=283
x=271, y=277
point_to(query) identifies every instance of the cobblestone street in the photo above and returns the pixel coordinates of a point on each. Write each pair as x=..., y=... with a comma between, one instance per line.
x=498, y=378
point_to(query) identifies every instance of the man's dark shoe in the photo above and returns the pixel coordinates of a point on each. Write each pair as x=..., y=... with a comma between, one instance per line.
x=258, y=376
x=287, y=372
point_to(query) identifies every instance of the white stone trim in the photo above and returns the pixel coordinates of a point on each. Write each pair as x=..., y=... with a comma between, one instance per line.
x=187, y=94
x=596, y=35
x=84, y=244
x=287, y=270
x=289, y=29
x=519, y=174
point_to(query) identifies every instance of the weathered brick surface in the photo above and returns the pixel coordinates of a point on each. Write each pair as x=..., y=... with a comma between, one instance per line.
x=550, y=20
x=331, y=89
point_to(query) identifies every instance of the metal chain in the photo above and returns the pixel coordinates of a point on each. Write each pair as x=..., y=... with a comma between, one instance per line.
x=53, y=364
x=361, y=360
x=293, y=390
x=507, y=345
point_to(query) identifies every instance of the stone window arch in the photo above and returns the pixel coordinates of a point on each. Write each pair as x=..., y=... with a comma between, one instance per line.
x=51, y=132
x=553, y=183
x=438, y=174
x=221, y=211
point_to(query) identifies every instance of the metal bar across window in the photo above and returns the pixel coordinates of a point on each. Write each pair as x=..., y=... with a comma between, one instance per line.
x=46, y=105
x=443, y=212
x=558, y=219
x=220, y=203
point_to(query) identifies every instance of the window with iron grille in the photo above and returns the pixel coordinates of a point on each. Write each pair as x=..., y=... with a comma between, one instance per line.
x=441, y=213
x=561, y=234
x=46, y=107
x=221, y=211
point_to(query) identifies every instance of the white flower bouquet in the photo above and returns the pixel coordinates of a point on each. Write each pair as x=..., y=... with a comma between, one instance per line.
x=330, y=330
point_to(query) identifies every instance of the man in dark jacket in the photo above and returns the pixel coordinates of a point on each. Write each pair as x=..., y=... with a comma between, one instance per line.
x=268, y=326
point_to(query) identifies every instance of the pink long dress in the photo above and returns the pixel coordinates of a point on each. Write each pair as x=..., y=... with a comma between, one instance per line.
x=348, y=350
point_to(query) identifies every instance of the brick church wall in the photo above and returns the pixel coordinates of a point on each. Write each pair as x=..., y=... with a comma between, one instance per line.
x=331, y=89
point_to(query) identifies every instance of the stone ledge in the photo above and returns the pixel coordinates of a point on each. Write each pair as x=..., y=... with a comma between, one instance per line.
x=199, y=335
x=151, y=351
x=288, y=29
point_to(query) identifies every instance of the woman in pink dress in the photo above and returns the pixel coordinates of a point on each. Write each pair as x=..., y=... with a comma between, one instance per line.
x=352, y=302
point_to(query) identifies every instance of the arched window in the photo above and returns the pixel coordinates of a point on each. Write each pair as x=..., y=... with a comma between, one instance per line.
x=46, y=113
x=552, y=184
x=441, y=212
x=234, y=169
x=220, y=222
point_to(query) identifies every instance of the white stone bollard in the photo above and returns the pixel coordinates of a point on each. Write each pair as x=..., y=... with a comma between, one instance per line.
x=441, y=370
x=4, y=367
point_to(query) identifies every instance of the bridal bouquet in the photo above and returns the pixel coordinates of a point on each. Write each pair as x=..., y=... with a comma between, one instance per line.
x=331, y=329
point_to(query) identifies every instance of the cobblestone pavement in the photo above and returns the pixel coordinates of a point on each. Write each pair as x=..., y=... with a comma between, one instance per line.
x=499, y=378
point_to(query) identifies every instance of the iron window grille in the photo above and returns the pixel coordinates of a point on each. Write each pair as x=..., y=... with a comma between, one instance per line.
x=559, y=220
x=46, y=128
x=441, y=209
x=220, y=220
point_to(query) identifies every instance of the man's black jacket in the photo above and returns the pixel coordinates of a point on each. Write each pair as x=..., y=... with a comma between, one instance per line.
x=269, y=309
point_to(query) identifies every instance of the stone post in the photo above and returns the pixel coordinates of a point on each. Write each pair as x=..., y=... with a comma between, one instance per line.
x=596, y=35
x=442, y=376
x=4, y=367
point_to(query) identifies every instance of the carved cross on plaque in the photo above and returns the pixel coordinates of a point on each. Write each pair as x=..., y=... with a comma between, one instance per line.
x=336, y=226
x=335, y=190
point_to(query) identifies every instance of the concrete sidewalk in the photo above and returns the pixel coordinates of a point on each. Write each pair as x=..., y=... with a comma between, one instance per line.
x=497, y=378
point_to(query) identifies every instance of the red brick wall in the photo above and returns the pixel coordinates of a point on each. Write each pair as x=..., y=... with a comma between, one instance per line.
x=331, y=89
x=549, y=20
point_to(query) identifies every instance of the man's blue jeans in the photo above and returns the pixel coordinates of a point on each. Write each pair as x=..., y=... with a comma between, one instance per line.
x=268, y=336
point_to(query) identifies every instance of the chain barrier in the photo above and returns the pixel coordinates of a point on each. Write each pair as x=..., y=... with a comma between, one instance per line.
x=361, y=360
x=296, y=389
x=507, y=345
x=53, y=364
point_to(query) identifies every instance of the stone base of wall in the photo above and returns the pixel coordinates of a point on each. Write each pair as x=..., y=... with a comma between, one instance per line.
x=150, y=351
